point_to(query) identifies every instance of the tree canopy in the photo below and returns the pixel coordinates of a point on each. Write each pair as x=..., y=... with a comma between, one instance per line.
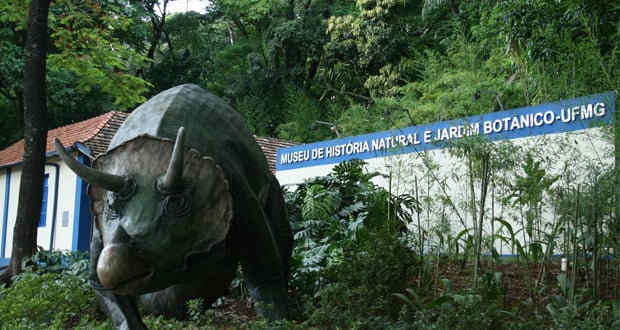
x=286, y=64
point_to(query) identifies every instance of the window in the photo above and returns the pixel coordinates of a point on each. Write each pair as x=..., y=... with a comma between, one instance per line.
x=43, y=218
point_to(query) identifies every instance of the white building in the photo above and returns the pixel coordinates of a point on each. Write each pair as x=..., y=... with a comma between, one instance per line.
x=65, y=222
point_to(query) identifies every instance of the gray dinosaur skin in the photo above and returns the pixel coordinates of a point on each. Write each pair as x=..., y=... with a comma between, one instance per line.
x=163, y=247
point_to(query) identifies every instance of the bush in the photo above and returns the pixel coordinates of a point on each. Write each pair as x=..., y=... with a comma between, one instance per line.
x=49, y=300
x=58, y=262
x=587, y=316
x=53, y=292
x=359, y=292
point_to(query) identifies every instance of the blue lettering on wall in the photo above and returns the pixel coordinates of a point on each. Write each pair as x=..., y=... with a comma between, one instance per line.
x=564, y=116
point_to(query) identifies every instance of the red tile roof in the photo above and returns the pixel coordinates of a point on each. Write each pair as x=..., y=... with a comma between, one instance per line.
x=95, y=133
x=270, y=148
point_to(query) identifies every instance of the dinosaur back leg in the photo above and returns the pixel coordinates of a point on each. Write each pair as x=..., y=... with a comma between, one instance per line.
x=261, y=260
x=279, y=223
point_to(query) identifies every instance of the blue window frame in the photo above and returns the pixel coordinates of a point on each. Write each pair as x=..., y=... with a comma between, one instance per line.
x=43, y=218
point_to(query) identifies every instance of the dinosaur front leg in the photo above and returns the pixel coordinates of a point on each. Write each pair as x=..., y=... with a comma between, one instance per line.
x=122, y=311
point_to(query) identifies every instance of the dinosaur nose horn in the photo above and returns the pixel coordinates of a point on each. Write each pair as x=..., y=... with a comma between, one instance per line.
x=120, y=235
x=172, y=181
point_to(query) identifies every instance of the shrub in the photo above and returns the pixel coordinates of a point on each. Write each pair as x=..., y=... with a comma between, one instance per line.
x=359, y=292
x=603, y=315
x=49, y=300
x=58, y=262
x=52, y=292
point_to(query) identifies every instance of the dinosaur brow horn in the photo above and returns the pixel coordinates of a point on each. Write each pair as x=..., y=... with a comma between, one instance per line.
x=172, y=181
x=110, y=182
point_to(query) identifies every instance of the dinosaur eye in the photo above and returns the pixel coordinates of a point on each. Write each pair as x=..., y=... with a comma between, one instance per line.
x=112, y=208
x=177, y=205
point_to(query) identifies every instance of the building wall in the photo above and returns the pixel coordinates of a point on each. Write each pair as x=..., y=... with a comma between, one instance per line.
x=571, y=147
x=10, y=185
x=62, y=209
x=64, y=221
x=6, y=180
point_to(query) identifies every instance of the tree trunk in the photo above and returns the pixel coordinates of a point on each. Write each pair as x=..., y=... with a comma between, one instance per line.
x=35, y=136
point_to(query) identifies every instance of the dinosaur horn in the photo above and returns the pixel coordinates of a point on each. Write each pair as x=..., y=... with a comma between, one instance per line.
x=172, y=181
x=110, y=182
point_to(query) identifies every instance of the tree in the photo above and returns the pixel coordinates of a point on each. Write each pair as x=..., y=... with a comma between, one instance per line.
x=94, y=60
x=87, y=41
x=35, y=113
x=370, y=50
x=184, y=56
x=84, y=46
x=265, y=49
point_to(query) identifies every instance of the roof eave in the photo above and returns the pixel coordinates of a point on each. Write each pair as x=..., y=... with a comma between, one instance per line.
x=77, y=146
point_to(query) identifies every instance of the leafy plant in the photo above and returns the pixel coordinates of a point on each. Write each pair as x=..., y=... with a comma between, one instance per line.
x=334, y=211
x=339, y=221
x=373, y=270
x=59, y=262
x=48, y=300
x=569, y=309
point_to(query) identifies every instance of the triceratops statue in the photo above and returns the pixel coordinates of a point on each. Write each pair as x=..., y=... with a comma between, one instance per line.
x=181, y=197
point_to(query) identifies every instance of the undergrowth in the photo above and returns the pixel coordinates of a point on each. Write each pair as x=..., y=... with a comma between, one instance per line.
x=355, y=266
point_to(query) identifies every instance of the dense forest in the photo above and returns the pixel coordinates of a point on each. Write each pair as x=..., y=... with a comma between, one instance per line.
x=361, y=258
x=284, y=64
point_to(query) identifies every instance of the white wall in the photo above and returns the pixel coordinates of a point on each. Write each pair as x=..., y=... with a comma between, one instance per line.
x=3, y=184
x=12, y=210
x=573, y=150
x=57, y=233
x=63, y=239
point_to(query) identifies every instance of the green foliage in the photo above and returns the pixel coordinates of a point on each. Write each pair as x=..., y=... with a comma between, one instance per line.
x=449, y=82
x=562, y=49
x=48, y=300
x=569, y=308
x=86, y=43
x=366, y=47
x=14, y=12
x=332, y=212
x=357, y=119
x=52, y=293
x=11, y=73
x=528, y=190
x=329, y=214
x=285, y=64
x=11, y=125
x=358, y=293
x=254, y=107
x=213, y=319
x=69, y=104
x=11, y=58
x=470, y=312
x=195, y=309
x=343, y=235
x=58, y=262
x=90, y=68
x=464, y=309
x=186, y=52
x=300, y=111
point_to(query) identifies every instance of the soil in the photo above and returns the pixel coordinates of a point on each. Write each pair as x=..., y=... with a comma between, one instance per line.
x=535, y=286
x=520, y=288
